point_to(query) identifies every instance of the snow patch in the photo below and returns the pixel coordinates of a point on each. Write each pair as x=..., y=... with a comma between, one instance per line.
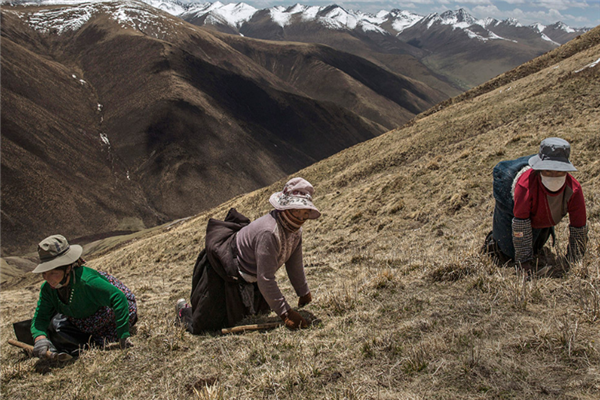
x=590, y=65
x=104, y=139
x=235, y=14
x=128, y=14
x=369, y=27
x=403, y=20
x=493, y=36
x=340, y=18
x=310, y=13
x=546, y=38
x=280, y=16
x=538, y=27
x=564, y=27
x=473, y=35
x=513, y=22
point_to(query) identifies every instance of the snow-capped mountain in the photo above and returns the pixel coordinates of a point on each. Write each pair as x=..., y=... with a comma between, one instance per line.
x=117, y=115
x=234, y=15
x=454, y=42
x=451, y=51
x=336, y=17
x=231, y=14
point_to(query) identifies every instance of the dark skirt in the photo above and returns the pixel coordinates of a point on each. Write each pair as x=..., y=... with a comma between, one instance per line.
x=220, y=297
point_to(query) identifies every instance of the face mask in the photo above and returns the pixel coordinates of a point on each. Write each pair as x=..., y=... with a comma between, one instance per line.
x=553, y=184
x=64, y=280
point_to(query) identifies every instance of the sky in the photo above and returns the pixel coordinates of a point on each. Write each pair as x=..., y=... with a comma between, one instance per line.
x=575, y=13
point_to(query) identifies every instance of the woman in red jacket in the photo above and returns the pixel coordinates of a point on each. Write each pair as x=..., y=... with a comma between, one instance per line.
x=542, y=193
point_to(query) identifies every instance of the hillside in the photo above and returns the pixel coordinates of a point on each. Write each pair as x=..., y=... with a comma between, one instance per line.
x=117, y=116
x=404, y=306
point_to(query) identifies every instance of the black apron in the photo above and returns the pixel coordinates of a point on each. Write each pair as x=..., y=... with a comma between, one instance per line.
x=220, y=296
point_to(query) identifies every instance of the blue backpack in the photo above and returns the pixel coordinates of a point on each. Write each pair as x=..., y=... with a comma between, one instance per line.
x=504, y=174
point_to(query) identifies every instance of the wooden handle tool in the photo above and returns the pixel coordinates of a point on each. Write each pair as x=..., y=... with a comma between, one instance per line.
x=49, y=354
x=254, y=327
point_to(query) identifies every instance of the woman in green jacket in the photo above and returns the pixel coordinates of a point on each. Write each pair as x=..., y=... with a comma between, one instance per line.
x=96, y=305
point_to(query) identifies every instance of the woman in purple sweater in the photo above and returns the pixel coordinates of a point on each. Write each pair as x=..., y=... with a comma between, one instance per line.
x=235, y=275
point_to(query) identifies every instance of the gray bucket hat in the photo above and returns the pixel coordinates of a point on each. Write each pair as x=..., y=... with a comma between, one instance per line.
x=553, y=156
x=54, y=252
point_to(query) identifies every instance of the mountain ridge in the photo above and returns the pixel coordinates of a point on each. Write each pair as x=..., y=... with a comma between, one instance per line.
x=452, y=51
x=164, y=110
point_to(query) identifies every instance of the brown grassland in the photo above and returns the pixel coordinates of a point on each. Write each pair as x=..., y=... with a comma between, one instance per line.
x=404, y=305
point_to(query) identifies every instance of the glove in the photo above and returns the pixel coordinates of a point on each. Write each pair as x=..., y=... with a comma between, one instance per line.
x=304, y=300
x=41, y=348
x=522, y=239
x=578, y=238
x=124, y=343
x=293, y=320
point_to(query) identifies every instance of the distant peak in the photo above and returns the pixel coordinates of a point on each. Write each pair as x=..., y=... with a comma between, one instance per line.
x=538, y=27
x=562, y=26
x=512, y=21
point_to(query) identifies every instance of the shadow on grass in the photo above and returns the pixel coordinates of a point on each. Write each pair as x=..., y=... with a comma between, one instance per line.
x=45, y=366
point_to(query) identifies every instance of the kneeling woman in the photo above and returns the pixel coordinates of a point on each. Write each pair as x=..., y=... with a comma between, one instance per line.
x=78, y=305
x=235, y=275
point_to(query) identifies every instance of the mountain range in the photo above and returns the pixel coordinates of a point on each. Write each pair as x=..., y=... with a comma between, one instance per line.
x=118, y=116
x=462, y=50
x=451, y=52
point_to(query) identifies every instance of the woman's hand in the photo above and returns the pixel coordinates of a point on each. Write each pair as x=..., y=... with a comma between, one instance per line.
x=304, y=300
x=293, y=320
x=42, y=347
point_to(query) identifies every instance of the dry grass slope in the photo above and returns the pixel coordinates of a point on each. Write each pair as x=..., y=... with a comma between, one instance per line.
x=405, y=307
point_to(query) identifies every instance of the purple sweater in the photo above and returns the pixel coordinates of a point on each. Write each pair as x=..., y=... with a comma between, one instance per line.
x=263, y=246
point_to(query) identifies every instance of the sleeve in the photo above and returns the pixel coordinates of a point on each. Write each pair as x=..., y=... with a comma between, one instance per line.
x=522, y=235
x=576, y=209
x=106, y=294
x=523, y=200
x=267, y=249
x=44, y=312
x=295, y=271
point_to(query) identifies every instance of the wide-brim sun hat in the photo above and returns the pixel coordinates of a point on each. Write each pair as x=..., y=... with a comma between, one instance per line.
x=553, y=156
x=296, y=195
x=55, y=251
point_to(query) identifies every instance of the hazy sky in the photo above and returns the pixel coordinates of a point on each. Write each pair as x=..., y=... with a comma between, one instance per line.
x=575, y=13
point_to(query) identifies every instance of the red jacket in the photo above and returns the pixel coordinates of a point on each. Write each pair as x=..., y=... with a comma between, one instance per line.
x=545, y=208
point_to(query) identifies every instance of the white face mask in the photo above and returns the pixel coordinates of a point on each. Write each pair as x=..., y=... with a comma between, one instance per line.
x=553, y=184
x=64, y=280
